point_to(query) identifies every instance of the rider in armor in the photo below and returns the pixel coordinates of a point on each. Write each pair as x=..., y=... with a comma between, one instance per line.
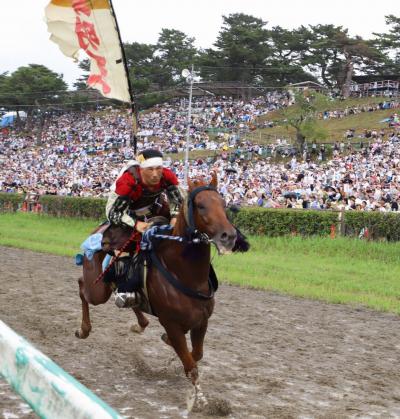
x=137, y=195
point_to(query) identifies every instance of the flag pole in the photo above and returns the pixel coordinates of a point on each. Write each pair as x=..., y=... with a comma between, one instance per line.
x=189, y=118
x=133, y=106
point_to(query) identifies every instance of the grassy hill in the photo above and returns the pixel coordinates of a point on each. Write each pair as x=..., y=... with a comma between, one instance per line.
x=335, y=127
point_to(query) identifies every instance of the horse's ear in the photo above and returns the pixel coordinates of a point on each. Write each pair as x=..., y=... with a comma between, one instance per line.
x=214, y=179
x=190, y=185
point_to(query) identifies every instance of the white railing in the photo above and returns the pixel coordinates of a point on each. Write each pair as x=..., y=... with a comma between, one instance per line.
x=48, y=389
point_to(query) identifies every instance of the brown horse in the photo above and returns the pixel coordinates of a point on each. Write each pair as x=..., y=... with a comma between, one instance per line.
x=202, y=220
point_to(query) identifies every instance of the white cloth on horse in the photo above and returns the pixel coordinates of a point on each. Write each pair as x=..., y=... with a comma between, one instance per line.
x=92, y=245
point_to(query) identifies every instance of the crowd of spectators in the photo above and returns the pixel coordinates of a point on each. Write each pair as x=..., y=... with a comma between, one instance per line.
x=355, y=110
x=81, y=153
x=367, y=180
x=166, y=124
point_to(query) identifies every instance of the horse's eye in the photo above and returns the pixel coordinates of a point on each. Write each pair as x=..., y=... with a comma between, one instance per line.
x=200, y=207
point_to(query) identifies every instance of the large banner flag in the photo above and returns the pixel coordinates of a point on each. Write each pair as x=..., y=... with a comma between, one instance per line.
x=90, y=25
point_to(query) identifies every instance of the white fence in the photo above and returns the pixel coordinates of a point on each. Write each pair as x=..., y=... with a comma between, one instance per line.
x=47, y=388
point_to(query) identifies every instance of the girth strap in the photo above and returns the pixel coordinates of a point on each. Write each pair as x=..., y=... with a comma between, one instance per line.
x=177, y=284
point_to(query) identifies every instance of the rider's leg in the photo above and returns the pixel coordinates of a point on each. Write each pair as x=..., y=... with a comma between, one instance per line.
x=128, y=286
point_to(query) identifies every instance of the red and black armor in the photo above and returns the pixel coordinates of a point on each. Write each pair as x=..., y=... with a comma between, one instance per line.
x=141, y=202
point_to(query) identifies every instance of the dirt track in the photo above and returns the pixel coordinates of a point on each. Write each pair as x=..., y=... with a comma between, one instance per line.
x=266, y=356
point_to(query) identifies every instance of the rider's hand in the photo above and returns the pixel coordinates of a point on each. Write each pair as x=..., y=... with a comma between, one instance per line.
x=141, y=226
x=173, y=221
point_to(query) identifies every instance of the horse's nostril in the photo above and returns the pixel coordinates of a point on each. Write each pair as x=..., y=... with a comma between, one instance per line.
x=226, y=238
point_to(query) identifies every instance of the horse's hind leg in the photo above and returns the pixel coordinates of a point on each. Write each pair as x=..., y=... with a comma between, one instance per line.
x=86, y=326
x=142, y=321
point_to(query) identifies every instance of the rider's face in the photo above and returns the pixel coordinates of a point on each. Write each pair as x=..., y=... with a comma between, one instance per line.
x=151, y=175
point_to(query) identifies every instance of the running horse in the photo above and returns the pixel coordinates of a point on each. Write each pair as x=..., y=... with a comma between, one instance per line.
x=202, y=220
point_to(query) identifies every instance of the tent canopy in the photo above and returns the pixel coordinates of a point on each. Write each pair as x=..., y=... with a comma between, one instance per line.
x=8, y=118
x=22, y=114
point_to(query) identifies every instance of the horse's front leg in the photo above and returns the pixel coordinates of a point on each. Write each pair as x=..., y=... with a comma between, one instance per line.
x=198, y=399
x=197, y=337
x=177, y=339
x=86, y=326
x=142, y=321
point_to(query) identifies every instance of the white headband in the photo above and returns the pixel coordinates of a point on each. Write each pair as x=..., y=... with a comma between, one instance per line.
x=152, y=162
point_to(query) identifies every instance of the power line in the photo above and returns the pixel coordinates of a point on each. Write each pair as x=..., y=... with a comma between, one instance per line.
x=175, y=89
x=55, y=104
x=199, y=69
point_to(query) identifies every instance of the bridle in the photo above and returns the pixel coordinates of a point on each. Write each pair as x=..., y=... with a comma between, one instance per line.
x=193, y=234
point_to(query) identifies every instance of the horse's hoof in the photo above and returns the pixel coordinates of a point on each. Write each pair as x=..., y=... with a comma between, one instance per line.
x=197, y=401
x=165, y=339
x=136, y=328
x=193, y=376
x=81, y=335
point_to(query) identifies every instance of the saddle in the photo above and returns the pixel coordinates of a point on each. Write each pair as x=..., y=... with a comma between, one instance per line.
x=127, y=274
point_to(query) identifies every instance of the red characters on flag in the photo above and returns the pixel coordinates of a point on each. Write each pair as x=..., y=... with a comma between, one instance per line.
x=87, y=35
x=98, y=79
x=89, y=41
x=81, y=6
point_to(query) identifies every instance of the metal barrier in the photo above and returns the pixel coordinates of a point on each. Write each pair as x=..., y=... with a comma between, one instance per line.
x=48, y=389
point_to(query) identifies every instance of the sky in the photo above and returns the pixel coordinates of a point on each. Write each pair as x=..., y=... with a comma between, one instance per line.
x=24, y=38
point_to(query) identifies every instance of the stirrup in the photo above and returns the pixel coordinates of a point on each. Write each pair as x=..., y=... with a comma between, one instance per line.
x=126, y=299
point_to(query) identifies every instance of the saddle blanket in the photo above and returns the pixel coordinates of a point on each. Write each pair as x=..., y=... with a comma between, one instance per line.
x=89, y=247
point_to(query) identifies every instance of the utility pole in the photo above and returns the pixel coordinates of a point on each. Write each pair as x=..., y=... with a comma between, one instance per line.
x=189, y=75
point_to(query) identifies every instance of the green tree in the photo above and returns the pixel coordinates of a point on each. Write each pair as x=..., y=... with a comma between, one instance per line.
x=174, y=51
x=334, y=55
x=358, y=54
x=146, y=74
x=389, y=44
x=288, y=48
x=144, y=70
x=303, y=116
x=32, y=85
x=81, y=83
x=241, y=49
x=3, y=78
x=141, y=65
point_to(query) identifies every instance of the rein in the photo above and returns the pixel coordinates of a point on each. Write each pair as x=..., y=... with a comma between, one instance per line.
x=177, y=284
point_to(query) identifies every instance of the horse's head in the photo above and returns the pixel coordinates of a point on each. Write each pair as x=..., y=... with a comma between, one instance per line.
x=206, y=214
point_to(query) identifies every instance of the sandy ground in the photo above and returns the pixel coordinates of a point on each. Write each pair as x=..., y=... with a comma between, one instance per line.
x=266, y=355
